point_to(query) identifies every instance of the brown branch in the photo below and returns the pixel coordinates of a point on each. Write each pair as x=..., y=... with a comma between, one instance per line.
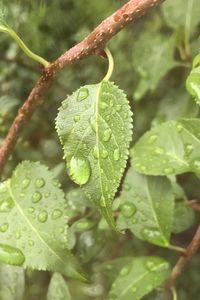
x=184, y=259
x=97, y=39
x=194, y=204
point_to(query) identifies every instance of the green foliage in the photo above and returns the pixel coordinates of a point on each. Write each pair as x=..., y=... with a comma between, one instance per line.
x=157, y=65
x=147, y=212
x=95, y=134
x=139, y=278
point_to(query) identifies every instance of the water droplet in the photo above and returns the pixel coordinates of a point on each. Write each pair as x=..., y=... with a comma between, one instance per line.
x=6, y=205
x=18, y=234
x=134, y=289
x=127, y=187
x=42, y=216
x=57, y=213
x=104, y=154
x=79, y=169
x=168, y=170
x=31, y=210
x=39, y=183
x=82, y=94
x=124, y=271
x=64, y=104
x=151, y=266
x=76, y=118
x=31, y=243
x=103, y=105
x=118, y=107
x=128, y=209
x=116, y=154
x=159, y=150
x=11, y=255
x=93, y=123
x=107, y=135
x=153, y=235
x=4, y=227
x=103, y=201
x=96, y=152
x=188, y=149
x=83, y=225
x=25, y=183
x=37, y=196
x=179, y=127
x=153, y=138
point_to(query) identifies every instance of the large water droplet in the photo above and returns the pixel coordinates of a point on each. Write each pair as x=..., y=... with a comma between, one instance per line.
x=4, y=227
x=42, y=216
x=179, y=127
x=82, y=94
x=107, y=135
x=6, y=205
x=103, y=105
x=153, y=235
x=57, y=213
x=124, y=271
x=151, y=266
x=116, y=154
x=31, y=210
x=11, y=255
x=39, y=183
x=128, y=209
x=76, y=118
x=37, y=196
x=93, y=123
x=25, y=183
x=79, y=169
x=83, y=225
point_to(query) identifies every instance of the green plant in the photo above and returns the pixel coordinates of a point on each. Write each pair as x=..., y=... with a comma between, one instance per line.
x=109, y=219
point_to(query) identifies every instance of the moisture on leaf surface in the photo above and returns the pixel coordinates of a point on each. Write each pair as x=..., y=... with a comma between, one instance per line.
x=169, y=148
x=147, y=207
x=33, y=226
x=139, y=278
x=94, y=125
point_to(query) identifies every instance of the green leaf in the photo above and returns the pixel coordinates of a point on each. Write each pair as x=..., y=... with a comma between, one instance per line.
x=193, y=84
x=147, y=207
x=139, y=277
x=169, y=148
x=94, y=125
x=154, y=62
x=58, y=289
x=181, y=13
x=12, y=281
x=33, y=220
x=184, y=217
x=196, y=61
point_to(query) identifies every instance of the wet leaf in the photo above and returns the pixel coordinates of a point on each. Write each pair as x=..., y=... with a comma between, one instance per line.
x=58, y=289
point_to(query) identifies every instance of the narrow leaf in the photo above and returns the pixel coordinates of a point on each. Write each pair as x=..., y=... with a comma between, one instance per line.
x=12, y=281
x=94, y=126
x=139, y=277
x=58, y=289
x=170, y=148
x=193, y=84
x=33, y=220
x=147, y=207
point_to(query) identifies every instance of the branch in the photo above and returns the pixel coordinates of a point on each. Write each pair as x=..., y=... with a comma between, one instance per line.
x=184, y=259
x=97, y=39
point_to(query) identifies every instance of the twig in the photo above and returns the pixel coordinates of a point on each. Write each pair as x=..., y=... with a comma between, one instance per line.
x=194, y=204
x=184, y=259
x=97, y=39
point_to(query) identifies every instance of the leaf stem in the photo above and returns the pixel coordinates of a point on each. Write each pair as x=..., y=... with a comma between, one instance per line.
x=110, y=65
x=22, y=45
x=174, y=293
x=176, y=248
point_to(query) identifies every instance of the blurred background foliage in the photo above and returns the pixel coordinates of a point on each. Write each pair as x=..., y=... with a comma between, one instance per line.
x=152, y=60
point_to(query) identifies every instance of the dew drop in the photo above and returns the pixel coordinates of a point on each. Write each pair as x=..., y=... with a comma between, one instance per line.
x=25, y=183
x=18, y=234
x=4, y=227
x=151, y=266
x=39, y=183
x=76, y=118
x=31, y=243
x=103, y=201
x=134, y=289
x=93, y=123
x=56, y=214
x=37, y=196
x=42, y=216
x=128, y=209
x=64, y=104
x=96, y=152
x=188, y=149
x=103, y=105
x=11, y=255
x=153, y=235
x=82, y=94
x=153, y=138
x=118, y=107
x=179, y=127
x=6, y=205
x=79, y=169
x=116, y=154
x=104, y=153
x=168, y=170
x=124, y=271
x=31, y=210
x=159, y=150
x=83, y=225
x=107, y=135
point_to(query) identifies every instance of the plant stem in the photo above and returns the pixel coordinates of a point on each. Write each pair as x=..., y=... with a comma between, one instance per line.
x=174, y=293
x=177, y=248
x=110, y=64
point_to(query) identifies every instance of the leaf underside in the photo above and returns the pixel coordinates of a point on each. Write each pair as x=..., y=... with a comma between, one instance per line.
x=95, y=127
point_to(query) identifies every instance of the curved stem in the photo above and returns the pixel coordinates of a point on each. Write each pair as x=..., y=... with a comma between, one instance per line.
x=177, y=248
x=110, y=64
x=22, y=45
x=174, y=293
